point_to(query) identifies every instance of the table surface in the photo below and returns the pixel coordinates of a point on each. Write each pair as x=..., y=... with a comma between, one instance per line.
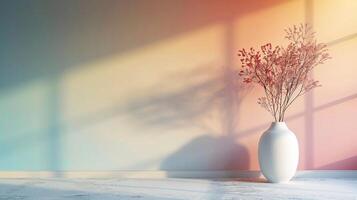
x=164, y=189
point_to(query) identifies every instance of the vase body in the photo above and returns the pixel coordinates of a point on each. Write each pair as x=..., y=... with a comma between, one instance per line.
x=278, y=153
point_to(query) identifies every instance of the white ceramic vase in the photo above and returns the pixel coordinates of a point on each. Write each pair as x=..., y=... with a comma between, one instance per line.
x=278, y=153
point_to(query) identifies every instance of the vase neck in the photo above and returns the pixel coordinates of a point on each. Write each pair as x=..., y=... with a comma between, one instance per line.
x=278, y=125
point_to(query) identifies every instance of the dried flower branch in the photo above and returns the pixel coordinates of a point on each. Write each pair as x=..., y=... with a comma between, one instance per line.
x=283, y=72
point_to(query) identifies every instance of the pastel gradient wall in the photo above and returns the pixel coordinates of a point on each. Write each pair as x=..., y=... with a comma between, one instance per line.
x=148, y=85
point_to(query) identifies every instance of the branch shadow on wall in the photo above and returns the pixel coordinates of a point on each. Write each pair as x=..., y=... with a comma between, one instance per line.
x=215, y=100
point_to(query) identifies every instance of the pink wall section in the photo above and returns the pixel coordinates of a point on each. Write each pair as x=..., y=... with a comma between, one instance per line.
x=149, y=85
